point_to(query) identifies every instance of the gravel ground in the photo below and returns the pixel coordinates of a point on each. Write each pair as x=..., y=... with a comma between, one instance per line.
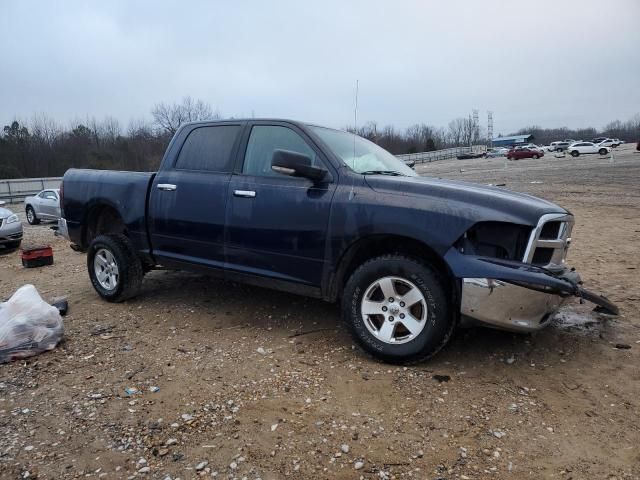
x=255, y=383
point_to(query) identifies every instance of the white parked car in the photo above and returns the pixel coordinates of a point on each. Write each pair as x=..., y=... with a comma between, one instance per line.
x=43, y=206
x=609, y=142
x=579, y=148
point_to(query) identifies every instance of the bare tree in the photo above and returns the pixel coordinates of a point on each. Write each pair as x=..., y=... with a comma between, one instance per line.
x=169, y=117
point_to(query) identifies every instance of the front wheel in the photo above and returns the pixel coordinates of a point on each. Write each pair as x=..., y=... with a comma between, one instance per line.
x=397, y=309
x=575, y=153
x=603, y=151
x=114, y=267
x=31, y=216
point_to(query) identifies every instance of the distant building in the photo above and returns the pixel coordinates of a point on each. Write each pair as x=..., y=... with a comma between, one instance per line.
x=513, y=140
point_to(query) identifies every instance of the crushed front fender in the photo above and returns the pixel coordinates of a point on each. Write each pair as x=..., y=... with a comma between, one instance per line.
x=514, y=295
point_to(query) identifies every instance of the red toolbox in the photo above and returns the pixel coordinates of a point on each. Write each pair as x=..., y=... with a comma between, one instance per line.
x=37, y=256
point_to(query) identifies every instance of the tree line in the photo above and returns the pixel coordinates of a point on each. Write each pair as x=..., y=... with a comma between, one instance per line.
x=42, y=147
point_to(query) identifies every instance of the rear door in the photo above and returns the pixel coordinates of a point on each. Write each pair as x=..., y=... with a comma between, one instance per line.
x=189, y=195
x=277, y=224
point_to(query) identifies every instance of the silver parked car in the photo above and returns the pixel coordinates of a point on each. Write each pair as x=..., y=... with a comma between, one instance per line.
x=10, y=228
x=43, y=206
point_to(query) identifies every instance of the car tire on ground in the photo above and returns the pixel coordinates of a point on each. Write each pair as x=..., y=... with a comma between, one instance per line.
x=31, y=216
x=12, y=245
x=397, y=309
x=114, y=267
x=575, y=153
x=536, y=157
x=603, y=151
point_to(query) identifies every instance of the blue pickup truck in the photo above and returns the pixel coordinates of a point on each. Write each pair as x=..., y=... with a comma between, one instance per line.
x=328, y=214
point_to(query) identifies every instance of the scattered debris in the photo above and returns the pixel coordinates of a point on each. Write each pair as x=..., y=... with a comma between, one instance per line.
x=39, y=256
x=131, y=391
x=623, y=346
x=28, y=325
x=441, y=378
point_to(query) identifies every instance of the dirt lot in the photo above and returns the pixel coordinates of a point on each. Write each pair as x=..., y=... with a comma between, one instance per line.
x=262, y=384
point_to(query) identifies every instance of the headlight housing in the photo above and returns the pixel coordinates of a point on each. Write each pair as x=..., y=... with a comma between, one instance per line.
x=12, y=219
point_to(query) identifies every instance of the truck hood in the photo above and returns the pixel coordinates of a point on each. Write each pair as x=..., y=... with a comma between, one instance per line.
x=482, y=201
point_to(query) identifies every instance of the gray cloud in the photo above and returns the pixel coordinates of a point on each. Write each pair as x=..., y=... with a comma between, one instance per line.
x=550, y=63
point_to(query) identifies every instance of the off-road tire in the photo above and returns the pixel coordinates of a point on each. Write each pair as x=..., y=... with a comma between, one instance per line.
x=129, y=267
x=440, y=320
x=35, y=220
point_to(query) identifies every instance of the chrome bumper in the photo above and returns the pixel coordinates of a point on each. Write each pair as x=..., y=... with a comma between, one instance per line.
x=62, y=229
x=507, y=306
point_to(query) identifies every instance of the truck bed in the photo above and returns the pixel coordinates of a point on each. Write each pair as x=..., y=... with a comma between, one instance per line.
x=125, y=192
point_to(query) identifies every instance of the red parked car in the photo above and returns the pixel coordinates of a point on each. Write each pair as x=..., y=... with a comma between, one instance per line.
x=524, y=152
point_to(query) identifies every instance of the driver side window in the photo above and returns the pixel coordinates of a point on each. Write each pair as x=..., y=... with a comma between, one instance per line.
x=264, y=140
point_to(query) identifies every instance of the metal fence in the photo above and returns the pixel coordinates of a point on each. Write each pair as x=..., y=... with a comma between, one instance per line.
x=444, y=154
x=15, y=190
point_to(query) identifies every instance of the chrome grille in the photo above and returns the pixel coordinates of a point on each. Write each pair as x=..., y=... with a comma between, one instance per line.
x=549, y=241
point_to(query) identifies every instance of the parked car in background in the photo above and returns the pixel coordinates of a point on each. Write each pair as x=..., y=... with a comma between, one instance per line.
x=45, y=205
x=497, y=152
x=609, y=142
x=580, y=148
x=598, y=140
x=519, y=153
x=10, y=228
x=468, y=155
x=558, y=146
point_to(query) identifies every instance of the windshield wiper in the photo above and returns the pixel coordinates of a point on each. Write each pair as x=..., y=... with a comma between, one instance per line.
x=383, y=172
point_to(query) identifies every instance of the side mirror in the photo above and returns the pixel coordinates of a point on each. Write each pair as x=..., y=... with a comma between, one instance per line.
x=296, y=165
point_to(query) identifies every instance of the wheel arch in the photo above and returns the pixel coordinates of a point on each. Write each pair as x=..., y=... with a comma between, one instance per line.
x=102, y=219
x=376, y=245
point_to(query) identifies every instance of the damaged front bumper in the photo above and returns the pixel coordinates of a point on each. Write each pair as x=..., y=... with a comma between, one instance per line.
x=516, y=296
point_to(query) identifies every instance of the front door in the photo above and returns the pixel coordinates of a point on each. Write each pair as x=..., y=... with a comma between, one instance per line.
x=277, y=224
x=189, y=195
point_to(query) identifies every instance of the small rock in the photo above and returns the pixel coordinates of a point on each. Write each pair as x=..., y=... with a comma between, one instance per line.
x=358, y=465
x=233, y=465
x=498, y=434
x=622, y=346
x=273, y=427
x=187, y=417
x=144, y=470
x=171, y=441
x=511, y=360
x=261, y=351
x=201, y=466
x=345, y=448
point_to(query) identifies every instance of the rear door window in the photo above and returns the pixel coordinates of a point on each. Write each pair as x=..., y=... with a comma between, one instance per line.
x=209, y=149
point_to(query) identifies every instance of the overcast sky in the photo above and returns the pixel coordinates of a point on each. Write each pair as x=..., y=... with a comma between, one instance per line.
x=552, y=63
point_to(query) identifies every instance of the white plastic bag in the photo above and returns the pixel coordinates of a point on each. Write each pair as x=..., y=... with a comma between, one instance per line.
x=28, y=325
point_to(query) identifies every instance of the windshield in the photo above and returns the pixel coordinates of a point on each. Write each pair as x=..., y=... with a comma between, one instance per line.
x=361, y=155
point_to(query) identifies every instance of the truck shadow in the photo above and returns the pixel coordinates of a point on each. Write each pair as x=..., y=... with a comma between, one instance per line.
x=220, y=304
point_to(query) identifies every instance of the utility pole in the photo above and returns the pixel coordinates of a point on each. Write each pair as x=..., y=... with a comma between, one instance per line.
x=490, y=128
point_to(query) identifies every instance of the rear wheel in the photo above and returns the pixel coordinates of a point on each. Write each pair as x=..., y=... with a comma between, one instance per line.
x=397, y=309
x=603, y=151
x=114, y=267
x=575, y=153
x=31, y=216
x=536, y=157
